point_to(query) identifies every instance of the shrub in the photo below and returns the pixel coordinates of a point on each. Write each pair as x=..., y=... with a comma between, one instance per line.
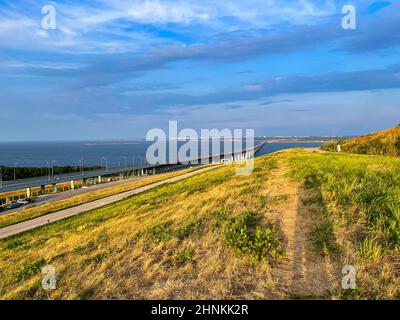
x=185, y=231
x=183, y=257
x=330, y=146
x=25, y=272
x=218, y=217
x=260, y=244
x=160, y=232
x=15, y=243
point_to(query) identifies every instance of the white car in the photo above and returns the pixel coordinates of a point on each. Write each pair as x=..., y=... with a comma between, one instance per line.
x=22, y=201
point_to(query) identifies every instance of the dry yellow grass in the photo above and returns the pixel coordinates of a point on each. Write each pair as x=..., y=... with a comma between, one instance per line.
x=384, y=136
x=385, y=142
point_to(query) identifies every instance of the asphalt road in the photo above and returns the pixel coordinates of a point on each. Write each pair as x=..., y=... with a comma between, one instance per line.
x=70, y=193
x=66, y=213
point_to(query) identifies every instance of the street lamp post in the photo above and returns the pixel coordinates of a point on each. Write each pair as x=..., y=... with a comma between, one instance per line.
x=48, y=167
x=81, y=166
x=119, y=162
x=15, y=163
x=52, y=168
x=106, y=161
x=126, y=162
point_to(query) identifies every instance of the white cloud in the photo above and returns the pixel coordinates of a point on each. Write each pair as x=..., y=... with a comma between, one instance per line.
x=253, y=88
x=13, y=64
x=84, y=28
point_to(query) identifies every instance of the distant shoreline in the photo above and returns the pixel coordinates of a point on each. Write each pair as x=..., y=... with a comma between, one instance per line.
x=267, y=139
x=299, y=140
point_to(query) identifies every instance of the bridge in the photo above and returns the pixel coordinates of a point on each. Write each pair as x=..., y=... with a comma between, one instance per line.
x=101, y=176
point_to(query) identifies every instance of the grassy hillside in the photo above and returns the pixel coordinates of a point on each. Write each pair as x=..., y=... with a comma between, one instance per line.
x=284, y=231
x=381, y=143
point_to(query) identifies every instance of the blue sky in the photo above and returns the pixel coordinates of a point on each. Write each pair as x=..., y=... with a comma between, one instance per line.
x=115, y=69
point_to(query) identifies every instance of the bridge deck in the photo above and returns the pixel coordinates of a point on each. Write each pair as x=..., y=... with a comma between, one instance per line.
x=7, y=186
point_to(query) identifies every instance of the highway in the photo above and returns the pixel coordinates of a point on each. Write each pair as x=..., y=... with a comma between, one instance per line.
x=51, y=197
x=66, y=213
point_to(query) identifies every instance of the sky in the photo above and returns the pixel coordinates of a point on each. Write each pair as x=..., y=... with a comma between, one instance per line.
x=114, y=69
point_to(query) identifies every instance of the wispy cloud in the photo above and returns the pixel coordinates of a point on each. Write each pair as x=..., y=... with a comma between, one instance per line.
x=81, y=23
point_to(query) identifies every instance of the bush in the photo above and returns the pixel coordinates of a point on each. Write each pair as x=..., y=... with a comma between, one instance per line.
x=218, y=217
x=260, y=244
x=15, y=243
x=330, y=146
x=185, y=231
x=183, y=257
x=160, y=232
x=25, y=272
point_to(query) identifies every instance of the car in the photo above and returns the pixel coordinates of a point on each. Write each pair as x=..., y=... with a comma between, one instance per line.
x=13, y=205
x=22, y=201
x=30, y=200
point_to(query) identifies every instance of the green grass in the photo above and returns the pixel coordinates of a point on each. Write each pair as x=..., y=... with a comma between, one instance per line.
x=370, y=250
x=188, y=229
x=358, y=200
x=29, y=270
x=323, y=237
x=245, y=235
x=160, y=232
x=183, y=257
x=368, y=184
